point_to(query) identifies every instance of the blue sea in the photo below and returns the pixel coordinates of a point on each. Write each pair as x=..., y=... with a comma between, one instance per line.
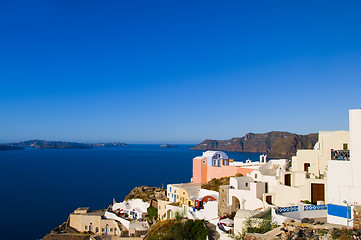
x=41, y=187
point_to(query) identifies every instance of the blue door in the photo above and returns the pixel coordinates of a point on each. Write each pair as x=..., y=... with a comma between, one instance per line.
x=175, y=198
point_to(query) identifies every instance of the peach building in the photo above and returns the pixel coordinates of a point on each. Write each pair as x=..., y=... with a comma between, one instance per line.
x=215, y=164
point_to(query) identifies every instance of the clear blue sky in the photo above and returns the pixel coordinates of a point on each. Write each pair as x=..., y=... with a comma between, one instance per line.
x=176, y=71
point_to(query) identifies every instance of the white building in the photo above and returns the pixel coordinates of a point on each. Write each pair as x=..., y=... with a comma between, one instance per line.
x=135, y=208
x=307, y=176
x=245, y=193
x=344, y=176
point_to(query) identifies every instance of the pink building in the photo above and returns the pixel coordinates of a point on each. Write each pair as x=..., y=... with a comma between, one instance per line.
x=215, y=164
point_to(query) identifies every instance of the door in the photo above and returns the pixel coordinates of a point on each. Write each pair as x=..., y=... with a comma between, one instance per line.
x=269, y=199
x=107, y=229
x=317, y=192
x=288, y=179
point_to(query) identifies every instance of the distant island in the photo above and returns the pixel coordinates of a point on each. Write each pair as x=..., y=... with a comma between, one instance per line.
x=168, y=146
x=43, y=144
x=116, y=144
x=274, y=144
x=4, y=147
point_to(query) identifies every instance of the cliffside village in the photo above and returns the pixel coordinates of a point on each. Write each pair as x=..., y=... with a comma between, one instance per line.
x=322, y=184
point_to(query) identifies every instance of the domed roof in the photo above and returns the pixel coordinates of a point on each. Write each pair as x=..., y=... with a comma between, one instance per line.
x=212, y=153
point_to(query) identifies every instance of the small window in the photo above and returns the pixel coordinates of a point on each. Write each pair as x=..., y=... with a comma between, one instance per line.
x=102, y=229
x=345, y=146
x=175, y=191
x=170, y=189
x=204, y=161
x=269, y=199
x=159, y=207
x=306, y=166
x=246, y=184
x=96, y=229
x=86, y=227
x=288, y=179
x=111, y=229
x=115, y=231
x=255, y=176
x=177, y=196
x=209, y=199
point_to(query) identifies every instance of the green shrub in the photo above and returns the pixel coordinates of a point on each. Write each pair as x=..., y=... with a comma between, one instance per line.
x=178, y=230
x=152, y=212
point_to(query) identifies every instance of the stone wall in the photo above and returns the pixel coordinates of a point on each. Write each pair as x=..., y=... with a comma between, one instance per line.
x=223, y=207
x=357, y=217
x=257, y=236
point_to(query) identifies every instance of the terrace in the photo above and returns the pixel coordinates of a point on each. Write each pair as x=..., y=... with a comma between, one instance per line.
x=341, y=155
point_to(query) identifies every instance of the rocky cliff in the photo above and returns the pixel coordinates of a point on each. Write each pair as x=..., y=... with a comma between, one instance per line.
x=147, y=194
x=274, y=144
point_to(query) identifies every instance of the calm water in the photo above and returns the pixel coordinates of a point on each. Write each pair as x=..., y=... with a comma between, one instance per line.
x=39, y=188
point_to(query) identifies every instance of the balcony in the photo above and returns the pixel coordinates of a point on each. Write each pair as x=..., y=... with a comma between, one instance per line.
x=341, y=155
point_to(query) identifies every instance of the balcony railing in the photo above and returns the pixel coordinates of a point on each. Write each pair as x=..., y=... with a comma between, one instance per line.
x=342, y=155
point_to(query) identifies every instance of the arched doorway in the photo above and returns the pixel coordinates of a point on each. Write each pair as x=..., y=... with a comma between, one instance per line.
x=236, y=204
x=107, y=229
x=169, y=213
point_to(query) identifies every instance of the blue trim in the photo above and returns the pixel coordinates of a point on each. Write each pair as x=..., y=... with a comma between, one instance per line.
x=314, y=207
x=338, y=211
x=287, y=209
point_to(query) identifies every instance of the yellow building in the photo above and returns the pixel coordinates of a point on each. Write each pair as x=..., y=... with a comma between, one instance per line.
x=84, y=221
x=184, y=193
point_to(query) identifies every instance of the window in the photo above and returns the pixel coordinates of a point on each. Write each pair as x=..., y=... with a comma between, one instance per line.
x=170, y=189
x=255, y=176
x=111, y=229
x=288, y=179
x=115, y=231
x=102, y=229
x=175, y=191
x=246, y=184
x=209, y=199
x=306, y=166
x=204, y=161
x=86, y=227
x=345, y=146
x=177, y=196
x=159, y=207
x=96, y=229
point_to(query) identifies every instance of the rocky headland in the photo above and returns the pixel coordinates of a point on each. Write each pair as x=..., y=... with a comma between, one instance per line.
x=274, y=144
x=147, y=194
